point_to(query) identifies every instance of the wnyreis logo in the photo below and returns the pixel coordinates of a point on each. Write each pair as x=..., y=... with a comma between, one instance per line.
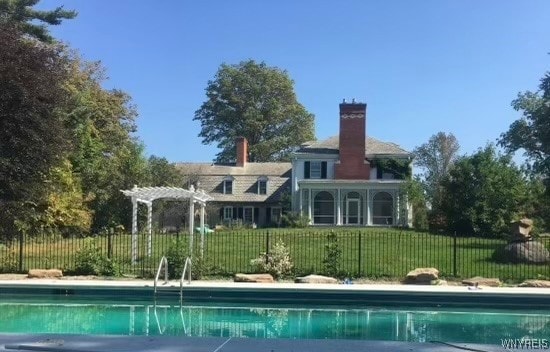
x=526, y=344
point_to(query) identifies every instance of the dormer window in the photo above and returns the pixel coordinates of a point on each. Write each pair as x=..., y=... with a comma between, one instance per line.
x=228, y=185
x=262, y=185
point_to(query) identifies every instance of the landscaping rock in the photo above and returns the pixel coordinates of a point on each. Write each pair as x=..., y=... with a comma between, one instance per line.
x=482, y=281
x=535, y=283
x=316, y=279
x=531, y=252
x=253, y=278
x=422, y=276
x=521, y=229
x=44, y=273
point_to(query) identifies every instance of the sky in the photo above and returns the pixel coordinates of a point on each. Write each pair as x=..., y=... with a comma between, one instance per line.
x=421, y=66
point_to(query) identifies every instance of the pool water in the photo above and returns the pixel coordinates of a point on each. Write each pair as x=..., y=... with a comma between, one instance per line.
x=148, y=318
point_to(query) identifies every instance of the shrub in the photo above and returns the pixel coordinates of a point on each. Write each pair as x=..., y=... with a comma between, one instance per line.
x=333, y=255
x=176, y=254
x=277, y=263
x=294, y=220
x=8, y=263
x=89, y=260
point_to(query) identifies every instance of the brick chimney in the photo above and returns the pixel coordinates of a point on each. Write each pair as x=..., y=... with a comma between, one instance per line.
x=242, y=151
x=352, y=164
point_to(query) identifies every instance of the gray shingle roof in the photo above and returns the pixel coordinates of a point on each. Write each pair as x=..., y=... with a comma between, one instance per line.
x=245, y=180
x=372, y=147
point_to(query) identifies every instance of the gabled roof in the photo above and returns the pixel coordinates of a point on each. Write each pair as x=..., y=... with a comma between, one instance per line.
x=373, y=147
x=245, y=180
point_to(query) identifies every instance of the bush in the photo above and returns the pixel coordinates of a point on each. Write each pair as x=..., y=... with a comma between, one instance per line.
x=8, y=263
x=333, y=255
x=277, y=263
x=177, y=252
x=294, y=220
x=89, y=260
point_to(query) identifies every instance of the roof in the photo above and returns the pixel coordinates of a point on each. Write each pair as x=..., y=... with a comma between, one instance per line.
x=210, y=178
x=373, y=147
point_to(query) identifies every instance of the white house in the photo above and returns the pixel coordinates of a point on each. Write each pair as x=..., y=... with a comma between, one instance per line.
x=351, y=179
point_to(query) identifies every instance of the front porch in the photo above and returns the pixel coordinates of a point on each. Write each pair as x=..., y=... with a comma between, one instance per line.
x=353, y=203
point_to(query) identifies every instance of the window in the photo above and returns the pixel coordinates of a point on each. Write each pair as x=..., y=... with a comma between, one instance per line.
x=262, y=185
x=228, y=185
x=227, y=213
x=276, y=214
x=315, y=169
x=248, y=215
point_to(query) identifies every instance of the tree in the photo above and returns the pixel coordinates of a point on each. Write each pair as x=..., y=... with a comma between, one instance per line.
x=20, y=13
x=162, y=173
x=258, y=102
x=436, y=158
x=483, y=193
x=531, y=133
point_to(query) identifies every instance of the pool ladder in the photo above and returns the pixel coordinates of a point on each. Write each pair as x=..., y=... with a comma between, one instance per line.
x=164, y=264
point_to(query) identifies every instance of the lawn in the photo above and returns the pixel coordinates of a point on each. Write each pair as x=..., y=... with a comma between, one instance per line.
x=365, y=252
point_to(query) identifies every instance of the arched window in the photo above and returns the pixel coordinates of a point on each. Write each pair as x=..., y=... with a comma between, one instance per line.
x=323, y=208
x=382, y=209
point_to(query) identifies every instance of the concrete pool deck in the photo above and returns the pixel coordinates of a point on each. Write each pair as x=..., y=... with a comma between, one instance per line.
x=364, y=294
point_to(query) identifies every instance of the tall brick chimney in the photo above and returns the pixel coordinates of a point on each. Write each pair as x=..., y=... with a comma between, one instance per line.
x=352, y=164
x=242, y=151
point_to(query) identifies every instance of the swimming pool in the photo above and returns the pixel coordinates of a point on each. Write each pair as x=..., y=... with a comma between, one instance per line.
x=81, y=315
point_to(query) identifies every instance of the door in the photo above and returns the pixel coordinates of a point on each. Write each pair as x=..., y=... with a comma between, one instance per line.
x=352, y=211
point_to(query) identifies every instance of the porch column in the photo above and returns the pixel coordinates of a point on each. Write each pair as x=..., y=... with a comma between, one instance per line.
x=202, y=230
x=309, y=205
x=149, y=228
x=368, y=219
x=338, y=208
x=134, y=230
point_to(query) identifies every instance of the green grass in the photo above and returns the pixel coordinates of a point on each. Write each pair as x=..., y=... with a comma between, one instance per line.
x=366, y=252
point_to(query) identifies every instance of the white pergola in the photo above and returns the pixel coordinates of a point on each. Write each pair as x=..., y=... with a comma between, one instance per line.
x=147, y=195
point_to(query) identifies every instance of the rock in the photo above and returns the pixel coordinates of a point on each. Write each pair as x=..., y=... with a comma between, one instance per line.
x=316, y=279
x=44, y=273
x=482, y=281
x=253, y=278
x=422, y=276
x=440, y=282
x=535, y=283
x=521, y=229
x=531, y=252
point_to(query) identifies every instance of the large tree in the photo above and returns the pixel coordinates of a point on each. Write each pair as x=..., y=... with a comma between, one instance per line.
x=483, y=193
x=20, y=13
x=531, y=133
x=435, y=158
x=258, y=102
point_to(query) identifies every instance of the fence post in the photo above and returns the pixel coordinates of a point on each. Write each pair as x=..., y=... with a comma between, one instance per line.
x=267, y=247
x=454, y=255
x=21, y=237
x=110, y=243
x=359, y=261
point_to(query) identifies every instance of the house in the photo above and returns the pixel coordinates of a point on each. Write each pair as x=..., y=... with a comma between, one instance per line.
x=244, y=192
x=351, y=179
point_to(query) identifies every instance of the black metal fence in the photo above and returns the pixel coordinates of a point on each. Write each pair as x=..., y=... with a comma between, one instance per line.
x=372, y=253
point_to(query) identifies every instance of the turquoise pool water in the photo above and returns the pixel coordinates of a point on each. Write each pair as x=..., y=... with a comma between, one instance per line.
x=147, y=318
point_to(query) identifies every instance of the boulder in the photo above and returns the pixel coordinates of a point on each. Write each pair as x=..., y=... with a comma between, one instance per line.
x=521, y=229
x=44, y=273
x=253, y=278
x=482, y=281
x=531, y=252
x=316, y=279
x=422, y=276
x=535, y=283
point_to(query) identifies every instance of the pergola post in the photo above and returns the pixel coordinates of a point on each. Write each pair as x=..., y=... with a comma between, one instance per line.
x=134, y=230
x=191, y=224
x=149, y=228
x=202, y=230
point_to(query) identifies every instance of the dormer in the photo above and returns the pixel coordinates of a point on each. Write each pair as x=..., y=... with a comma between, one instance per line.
x=262, y=185
x=228, y=184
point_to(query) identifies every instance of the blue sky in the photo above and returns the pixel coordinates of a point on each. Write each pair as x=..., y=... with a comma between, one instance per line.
x=421, y=66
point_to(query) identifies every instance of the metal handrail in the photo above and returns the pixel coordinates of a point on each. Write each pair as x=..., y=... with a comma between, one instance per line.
x=187, y=264
x=163, y=262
